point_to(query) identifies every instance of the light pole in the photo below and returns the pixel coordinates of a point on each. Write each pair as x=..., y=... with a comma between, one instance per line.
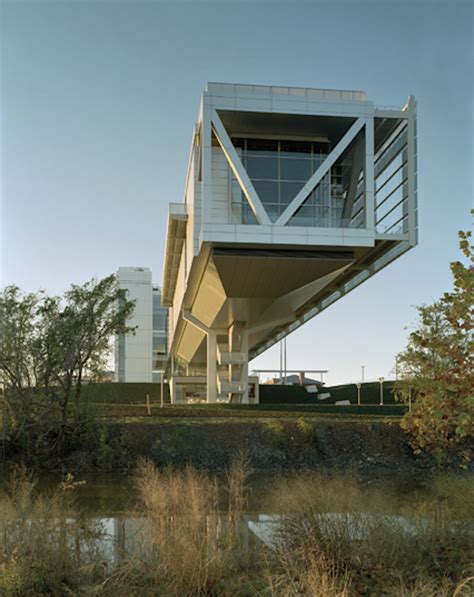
x=381, y=380
x=363, y=370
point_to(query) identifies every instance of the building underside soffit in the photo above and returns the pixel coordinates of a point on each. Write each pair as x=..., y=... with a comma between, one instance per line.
x=190, y=342
x=262, y=291
x=290, y=126
x=210, y=296
x=273, y=275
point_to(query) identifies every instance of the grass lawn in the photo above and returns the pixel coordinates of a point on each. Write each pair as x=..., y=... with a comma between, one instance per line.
x=246, y=412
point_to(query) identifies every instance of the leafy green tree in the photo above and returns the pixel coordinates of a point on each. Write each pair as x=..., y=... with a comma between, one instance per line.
x=17, y=357
x=437, y=367
x=47, y=346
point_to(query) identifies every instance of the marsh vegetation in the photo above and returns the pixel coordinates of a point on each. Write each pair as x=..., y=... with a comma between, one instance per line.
x=198, y=534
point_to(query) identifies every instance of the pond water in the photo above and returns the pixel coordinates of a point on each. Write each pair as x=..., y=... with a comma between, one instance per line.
x=114, y=493
x=111, y=495
x=111, y=501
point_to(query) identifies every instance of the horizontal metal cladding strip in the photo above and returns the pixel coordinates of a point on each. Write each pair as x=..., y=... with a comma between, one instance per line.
x=279, y=253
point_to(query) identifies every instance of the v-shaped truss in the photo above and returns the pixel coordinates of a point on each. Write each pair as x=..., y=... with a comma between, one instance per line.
x=238, y=169
x=247, y=187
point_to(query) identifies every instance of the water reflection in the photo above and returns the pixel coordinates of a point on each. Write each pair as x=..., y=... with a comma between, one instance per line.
x=405, y=502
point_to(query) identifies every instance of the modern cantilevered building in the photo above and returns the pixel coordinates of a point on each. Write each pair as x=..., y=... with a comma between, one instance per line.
x=293, y=197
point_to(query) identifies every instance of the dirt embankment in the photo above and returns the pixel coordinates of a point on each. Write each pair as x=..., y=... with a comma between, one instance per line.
x=270, y=446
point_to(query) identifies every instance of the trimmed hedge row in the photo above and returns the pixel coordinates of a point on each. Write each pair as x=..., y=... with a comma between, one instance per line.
x=369, y=394
x=249, y=411
x=123, y=393
x=270, y=394
x=135, y=393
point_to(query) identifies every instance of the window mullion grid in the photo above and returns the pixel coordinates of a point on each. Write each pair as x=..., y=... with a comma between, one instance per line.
x=279, y=177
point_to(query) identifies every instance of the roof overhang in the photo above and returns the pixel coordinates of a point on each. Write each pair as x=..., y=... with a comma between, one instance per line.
x=175, y=237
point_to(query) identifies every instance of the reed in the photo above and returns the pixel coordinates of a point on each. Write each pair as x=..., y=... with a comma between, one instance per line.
x=333, y=539
x=190, y=544
x=332, y=526
x=47, y=547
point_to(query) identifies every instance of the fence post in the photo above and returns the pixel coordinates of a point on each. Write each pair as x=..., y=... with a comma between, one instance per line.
x=162, y=388
x=381, y=380
x=148, y=408
x=358, y=393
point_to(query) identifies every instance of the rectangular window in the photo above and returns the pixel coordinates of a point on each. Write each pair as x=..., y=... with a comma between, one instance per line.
x=262, y=168
x=267, y=191
x=295, y=148
x=295, y=169
x=288, y=191
x=262, y=145
x=304, y=216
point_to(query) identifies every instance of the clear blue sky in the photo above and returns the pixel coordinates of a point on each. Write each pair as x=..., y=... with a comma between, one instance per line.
x=98, y=101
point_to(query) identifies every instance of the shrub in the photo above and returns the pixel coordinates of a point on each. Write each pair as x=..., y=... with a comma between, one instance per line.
x=275, y=435
x=306, y=429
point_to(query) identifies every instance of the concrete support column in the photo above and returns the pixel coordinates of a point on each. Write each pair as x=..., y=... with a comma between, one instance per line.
x=211, y=366
x=172, y=384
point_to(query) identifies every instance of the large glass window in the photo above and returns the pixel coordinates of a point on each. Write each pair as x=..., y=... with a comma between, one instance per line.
x=160, y=332
x=278, y=170
x=160, y=313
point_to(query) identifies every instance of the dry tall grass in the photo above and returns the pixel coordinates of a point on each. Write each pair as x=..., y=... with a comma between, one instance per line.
x=305, y=571
x=190, y=545
x=334, y=539
x=332, y=532
x=184, y=528
x=237, y=489
x=46, y=546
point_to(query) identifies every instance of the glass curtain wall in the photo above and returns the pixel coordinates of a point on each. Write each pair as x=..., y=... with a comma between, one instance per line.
x=160, y=333
x=278, y=170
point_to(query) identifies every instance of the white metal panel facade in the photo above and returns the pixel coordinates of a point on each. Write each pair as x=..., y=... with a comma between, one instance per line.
x=294, y=196
x=134, y=351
